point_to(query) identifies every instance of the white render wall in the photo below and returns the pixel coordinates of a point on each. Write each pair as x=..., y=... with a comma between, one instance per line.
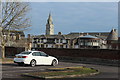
x=76, y=46
x=64, y=41
x=50, y=45
x=44, y=40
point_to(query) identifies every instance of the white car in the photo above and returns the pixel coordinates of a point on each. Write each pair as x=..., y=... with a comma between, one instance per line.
x=35, y=58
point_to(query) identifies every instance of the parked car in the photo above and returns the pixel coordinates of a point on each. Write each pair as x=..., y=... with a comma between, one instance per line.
x=35, y=58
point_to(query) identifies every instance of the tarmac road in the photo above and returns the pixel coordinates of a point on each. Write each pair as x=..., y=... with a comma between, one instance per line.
x=11, y=71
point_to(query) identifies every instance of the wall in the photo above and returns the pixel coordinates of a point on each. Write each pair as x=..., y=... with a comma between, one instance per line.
x=0, y=52
x=11, y=51
x=88, y=53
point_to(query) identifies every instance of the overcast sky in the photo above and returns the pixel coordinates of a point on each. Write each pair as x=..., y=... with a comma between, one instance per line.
x=74, y=16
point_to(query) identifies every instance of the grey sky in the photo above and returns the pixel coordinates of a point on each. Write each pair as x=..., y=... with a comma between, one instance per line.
x=74, y=16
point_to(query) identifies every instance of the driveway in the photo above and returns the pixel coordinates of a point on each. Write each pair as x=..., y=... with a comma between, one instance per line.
x=13, y=71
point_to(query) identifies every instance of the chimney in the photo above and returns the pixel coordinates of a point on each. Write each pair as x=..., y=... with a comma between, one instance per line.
x=59, y=33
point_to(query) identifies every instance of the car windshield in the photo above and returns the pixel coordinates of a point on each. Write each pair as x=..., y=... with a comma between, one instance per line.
x=25, y=52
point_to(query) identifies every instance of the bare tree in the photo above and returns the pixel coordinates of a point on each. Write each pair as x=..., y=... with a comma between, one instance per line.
x=14, y=17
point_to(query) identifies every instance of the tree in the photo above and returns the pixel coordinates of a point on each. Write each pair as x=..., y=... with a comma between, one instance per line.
x=14, y=17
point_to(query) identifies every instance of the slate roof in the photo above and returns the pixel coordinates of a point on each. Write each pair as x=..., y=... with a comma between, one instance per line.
x=75, y=35
x=51, y=36
x=71, y=36
x=15, y=32
x=89, y=36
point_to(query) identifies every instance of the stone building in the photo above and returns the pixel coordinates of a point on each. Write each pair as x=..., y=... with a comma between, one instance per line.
x=112, y=39
x=51, y=41
x=68, y=41
x=13, y=38
x=89, y=41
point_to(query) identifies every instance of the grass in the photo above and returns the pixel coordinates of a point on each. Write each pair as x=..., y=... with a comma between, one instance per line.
x=64, y=72
x=6, y=60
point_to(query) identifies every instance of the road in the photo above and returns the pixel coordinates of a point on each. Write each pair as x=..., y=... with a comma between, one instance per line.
x=13, y=71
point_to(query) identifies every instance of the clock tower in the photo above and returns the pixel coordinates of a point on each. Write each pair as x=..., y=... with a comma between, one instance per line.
x=49, y=26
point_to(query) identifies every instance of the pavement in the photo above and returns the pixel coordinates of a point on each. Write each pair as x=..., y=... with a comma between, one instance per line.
x=11, y=71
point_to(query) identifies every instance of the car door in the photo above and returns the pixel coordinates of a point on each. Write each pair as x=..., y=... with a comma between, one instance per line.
x=36, y=56
x=46, y=60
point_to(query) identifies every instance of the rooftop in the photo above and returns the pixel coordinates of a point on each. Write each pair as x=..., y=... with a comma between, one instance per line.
x=89, y=36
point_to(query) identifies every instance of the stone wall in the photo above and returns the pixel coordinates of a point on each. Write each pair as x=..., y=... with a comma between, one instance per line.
x=11, y=51
x=76, y=53
x=87, y=53
x=0, y=52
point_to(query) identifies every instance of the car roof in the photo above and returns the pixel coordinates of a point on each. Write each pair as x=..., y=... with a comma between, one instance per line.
x=34, y=51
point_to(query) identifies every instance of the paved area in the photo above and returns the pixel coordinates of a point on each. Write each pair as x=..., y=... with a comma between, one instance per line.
x=13, y=71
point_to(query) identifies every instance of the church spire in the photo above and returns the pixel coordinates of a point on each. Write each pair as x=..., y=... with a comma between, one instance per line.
x=49, y=26
x=50, y=19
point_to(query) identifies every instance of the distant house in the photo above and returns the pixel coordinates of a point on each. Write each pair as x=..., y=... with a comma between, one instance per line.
x=13, y=34
x=51, y=41
x=13, y=38
x=89, y=41
x=68, y=41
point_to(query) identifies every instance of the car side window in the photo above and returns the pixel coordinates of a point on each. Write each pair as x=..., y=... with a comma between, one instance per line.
x=36, y=54
x=43, y=54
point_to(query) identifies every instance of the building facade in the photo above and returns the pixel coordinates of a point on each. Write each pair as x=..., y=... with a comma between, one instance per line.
x=89, y=41
x=51, y=41
x=69, y=41
x=13, y=38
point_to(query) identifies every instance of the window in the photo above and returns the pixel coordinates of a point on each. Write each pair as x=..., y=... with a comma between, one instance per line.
x=56, y=46
x=42, y=45
x=43, y=54
x=50, y=40
x=66, y=46
x=41, y=40
x=61, y=46
x=46, y=45
x=36, y=54
x=67, y=41
x=60, y=40
x=38, y=45
x=38, y=40
x=57, y=40
x=25, y=52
